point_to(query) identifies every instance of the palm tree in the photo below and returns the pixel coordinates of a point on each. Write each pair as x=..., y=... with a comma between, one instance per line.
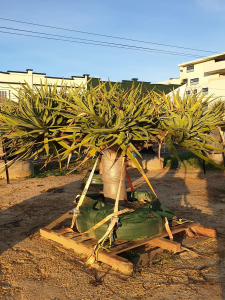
x=53, y=122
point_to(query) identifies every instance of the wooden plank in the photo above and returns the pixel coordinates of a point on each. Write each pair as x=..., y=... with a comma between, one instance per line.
x=82, y=244
x=166, y=244
x=179, y=228
x=190, y=233
x=206, y=231
x=68, y=243
x=136, y=243
x=90, y=242
x=61, y=231
x=80, y=238
x=117, y=263
x=68, y=234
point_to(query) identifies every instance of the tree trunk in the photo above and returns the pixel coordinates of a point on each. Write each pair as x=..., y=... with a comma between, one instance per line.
x=111, y=173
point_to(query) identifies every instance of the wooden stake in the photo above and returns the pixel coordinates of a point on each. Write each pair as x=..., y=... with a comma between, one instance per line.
x=129, y=181
x=6, y=167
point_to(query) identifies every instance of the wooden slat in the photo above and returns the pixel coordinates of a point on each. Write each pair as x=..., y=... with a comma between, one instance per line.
x=69, y=234
x=205, y=230
x=166, y=244
x=61, y=231
x=118, y=263
x=83, y=244
x=80, y=238
x=136, y=243
x=90, y=242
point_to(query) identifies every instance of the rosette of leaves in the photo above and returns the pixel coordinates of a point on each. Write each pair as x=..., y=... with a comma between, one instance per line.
x=102, y=119
x=189, y=121
x=84, y=121
x=30, y=127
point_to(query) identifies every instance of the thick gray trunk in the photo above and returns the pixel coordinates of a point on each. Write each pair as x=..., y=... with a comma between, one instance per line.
x=111, y=172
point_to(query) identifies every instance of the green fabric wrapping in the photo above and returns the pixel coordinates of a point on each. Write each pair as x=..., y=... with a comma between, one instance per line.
x=144, y=222
x=134, y=196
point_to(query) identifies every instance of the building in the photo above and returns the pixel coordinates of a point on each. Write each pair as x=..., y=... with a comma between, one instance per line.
x=205, y=75
x=11, y=80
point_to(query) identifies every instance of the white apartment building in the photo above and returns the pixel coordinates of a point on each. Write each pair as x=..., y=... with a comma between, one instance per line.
x=206, y=75
x=12, y=79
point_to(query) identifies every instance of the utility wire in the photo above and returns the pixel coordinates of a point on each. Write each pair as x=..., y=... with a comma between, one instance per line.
x=104, y=35
x=102, y=43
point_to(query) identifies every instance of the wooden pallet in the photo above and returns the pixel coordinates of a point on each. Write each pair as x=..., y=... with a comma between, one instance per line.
x=84, y=245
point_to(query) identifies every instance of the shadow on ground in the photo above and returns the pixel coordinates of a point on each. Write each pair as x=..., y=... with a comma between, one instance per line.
x=22, y=220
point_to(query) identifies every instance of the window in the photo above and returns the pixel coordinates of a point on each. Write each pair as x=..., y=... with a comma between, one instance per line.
x=3, y=94
x=185, y=80
x=205, y=90
x=190, y=68
x=188, y=92
x=194, y=81
x=195, y=91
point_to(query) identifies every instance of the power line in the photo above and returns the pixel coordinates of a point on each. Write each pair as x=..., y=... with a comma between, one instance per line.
x=104, y=43
x=100, y=44
x=104, y=35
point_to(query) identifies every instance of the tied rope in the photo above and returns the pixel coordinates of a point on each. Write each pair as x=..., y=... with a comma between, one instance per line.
x=113, y=223
x=76, y=210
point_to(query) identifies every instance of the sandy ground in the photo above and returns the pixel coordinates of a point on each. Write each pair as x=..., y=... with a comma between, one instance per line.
x=33, y=268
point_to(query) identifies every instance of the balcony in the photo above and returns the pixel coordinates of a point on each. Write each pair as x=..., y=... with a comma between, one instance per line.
x=215, y=68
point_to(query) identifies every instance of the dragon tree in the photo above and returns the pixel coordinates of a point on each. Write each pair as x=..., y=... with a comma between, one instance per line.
x=57, y=123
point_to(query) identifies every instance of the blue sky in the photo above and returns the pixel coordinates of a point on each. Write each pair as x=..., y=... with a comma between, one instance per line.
x=196, y=24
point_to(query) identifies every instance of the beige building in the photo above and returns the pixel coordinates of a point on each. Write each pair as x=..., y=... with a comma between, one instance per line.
x=205, y=75
x=171, y=81
x=11, y=80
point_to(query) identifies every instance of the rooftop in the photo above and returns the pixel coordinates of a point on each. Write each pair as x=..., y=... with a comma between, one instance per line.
x=204, y=59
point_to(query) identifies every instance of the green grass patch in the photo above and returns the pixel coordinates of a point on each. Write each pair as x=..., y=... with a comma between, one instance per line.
x=188, y=161
x=52, y=169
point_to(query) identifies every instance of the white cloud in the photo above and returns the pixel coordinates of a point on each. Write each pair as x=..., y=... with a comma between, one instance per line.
x=212, y=5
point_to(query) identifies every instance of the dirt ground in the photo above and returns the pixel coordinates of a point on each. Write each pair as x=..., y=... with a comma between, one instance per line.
x=33, y=268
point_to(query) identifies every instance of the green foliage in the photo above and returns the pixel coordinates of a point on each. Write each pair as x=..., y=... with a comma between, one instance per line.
x=188, y=161
x=57, y=122
x=189, y=120
x=103, y=118
x=31, y=126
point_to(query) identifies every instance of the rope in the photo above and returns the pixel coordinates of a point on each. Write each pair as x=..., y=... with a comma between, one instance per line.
x=111, y=226
x=103, y=221
x=76, y=210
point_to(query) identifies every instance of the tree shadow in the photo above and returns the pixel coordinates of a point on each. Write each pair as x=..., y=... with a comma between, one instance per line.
x=196, y=203
x=23, y=219
x=216, y=196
